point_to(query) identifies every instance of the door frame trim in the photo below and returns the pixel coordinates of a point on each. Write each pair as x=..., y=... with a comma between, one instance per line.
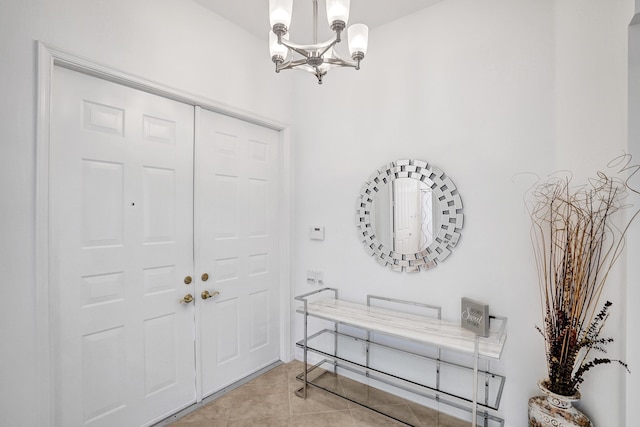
x=47, y=58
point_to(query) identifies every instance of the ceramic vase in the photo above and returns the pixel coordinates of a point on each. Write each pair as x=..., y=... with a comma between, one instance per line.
x=555, y=410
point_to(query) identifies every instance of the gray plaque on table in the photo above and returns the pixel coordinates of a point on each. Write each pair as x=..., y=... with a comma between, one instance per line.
x=474, y=316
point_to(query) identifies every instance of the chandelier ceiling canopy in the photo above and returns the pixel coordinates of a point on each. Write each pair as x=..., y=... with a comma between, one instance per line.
x=317, y=58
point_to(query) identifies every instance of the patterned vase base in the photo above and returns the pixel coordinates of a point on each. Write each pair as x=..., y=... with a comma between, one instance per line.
x=543, y=414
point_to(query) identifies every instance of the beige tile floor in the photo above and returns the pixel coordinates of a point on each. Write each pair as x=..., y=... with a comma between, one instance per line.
x=269, y=401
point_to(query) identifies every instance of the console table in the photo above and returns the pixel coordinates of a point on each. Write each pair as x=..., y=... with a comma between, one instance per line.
x=362, y=334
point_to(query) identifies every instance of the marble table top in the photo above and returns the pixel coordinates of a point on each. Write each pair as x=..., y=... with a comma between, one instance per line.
x=422, y=329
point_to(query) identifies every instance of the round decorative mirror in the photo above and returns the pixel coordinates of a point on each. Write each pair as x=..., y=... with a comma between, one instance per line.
x=409, y=215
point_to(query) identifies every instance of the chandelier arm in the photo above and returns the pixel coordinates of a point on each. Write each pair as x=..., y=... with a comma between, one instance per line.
x=298, y=65
x=310, y=69
x=324, y=50
x=341, y=62
x=302, y=65
x=304, y=49
x=292, y=64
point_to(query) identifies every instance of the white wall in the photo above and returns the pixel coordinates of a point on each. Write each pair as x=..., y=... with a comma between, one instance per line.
x=591, y=129
x=485, y=91
x=174, y=42
x=633, y=248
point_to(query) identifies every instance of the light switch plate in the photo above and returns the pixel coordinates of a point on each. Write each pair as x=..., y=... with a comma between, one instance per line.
x=316, y=233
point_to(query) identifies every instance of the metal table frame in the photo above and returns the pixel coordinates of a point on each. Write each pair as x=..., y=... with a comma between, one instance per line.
x=472, y=405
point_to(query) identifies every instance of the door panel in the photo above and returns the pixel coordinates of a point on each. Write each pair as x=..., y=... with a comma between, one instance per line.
x=406, y=215
x=121, y=176
x=121, y=231
x=237, y=245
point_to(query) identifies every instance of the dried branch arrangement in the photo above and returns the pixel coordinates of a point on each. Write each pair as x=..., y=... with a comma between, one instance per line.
x=578, y=234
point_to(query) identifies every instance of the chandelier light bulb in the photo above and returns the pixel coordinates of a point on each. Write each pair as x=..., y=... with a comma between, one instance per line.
x=338, y=10
x=280, y=12
x=277, y=50
x=358, y=39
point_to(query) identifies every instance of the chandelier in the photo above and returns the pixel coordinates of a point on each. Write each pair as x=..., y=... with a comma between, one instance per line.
x=317, y=58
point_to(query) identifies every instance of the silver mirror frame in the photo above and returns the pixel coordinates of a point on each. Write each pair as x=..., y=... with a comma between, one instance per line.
x=450, y=207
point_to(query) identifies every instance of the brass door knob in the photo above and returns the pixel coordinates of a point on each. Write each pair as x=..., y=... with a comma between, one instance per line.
x=204, y=277
x=187, y=299
x=187, y=280
x=207, y=295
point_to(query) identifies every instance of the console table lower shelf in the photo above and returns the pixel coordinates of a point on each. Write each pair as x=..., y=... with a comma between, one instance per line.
x=359, y=347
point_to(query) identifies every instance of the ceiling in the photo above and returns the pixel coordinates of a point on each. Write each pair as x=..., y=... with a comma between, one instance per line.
x=253, y=15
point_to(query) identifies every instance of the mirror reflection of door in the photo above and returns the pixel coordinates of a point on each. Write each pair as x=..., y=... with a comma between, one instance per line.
x=406, y=215
x=413, y=219
x=403, y=216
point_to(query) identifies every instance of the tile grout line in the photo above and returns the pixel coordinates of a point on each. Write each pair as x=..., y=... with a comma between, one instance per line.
x=349, y=416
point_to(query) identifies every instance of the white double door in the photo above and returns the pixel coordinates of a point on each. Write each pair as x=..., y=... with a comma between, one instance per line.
x=153, y=201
